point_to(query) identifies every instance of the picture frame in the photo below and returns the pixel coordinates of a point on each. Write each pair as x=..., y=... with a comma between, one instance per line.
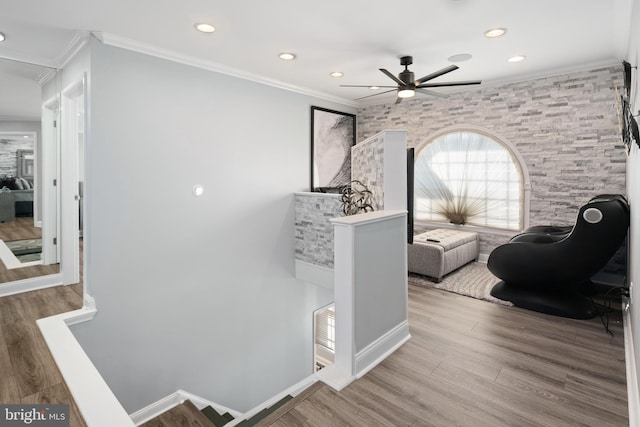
x=25, y=163
x=333, y=133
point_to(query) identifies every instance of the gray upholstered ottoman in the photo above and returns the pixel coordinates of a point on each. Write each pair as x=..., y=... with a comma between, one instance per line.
x=438, y=252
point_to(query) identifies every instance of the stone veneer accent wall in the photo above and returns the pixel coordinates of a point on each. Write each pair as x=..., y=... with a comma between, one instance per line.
x=9, y=156
x=313, y=231
x=565, y=127
x=367, y=160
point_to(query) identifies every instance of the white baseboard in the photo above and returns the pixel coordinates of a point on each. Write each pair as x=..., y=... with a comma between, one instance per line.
x=163, y=405
x=33, y=284
x=314, y=274
x=633, y=393
x=335, y=378
x=367, y=358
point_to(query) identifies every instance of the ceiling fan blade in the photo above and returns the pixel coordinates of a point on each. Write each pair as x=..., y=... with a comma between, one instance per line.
x=439, y=73
x=379, y=93
x=392, y=77
x=366, y=86
x=432, y=93
x=444, y=84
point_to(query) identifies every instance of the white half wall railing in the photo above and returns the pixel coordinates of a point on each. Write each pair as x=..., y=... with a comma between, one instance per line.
x=371, y=297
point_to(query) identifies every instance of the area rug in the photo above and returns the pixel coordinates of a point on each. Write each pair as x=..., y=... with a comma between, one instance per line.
x=26, y=250
x=473, y=280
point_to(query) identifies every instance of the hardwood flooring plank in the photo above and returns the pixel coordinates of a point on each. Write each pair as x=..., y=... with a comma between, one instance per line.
x=291, y=404
x=573, y=407
x=608, y=396
x=31, y=360
x=57, y=394
x=294, y=418
x=337, y=412
x=5, y=360
x=182, y=415
x=9, y=390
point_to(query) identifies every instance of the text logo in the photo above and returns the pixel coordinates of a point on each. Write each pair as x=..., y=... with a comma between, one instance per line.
x=34, y=415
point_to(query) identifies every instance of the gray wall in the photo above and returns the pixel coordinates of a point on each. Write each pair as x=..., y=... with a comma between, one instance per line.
x=565, y=127
x=194, y=293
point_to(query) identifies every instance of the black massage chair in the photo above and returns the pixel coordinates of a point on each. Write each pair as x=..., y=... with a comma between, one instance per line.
x=548, y=269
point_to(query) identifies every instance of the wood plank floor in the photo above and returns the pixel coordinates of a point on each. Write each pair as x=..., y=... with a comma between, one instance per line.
x=474, y=363
x=183, y=415
x=469, y=363
x=28, y=373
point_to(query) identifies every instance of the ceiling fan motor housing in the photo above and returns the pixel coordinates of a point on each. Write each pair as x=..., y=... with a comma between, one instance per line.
x=407, y=77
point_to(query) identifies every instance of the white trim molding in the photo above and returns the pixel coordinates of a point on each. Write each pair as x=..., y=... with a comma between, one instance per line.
x=95, y=400
x=163, y=405
x=633, y=393
x=370, y=356
x=314, y=274
x=32, y=284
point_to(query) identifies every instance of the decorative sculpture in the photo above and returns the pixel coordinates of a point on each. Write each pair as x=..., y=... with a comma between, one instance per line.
x=356, y=198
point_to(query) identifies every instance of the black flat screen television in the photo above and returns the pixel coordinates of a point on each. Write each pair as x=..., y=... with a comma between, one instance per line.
x=410, y=201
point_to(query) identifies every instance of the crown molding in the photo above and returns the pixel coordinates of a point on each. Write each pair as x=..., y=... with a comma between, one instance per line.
x=149, y=49
x=79, y=40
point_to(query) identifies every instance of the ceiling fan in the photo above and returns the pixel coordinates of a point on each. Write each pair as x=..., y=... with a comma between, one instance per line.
x=407, y=85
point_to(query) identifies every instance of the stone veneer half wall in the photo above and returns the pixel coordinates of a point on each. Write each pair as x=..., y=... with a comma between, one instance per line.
x=313, y=231
x=367, y=166
x=565, y=128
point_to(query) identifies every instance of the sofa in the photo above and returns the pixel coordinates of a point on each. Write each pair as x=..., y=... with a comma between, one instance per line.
x=22, y=190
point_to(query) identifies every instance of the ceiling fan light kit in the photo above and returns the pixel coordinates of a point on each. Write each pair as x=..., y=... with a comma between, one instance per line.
x=406, y=93
x=407, y=85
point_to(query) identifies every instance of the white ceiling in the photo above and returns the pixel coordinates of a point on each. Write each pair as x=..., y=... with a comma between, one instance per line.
x=353, y=36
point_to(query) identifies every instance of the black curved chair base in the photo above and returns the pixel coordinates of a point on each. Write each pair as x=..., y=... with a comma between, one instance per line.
x=572, y=304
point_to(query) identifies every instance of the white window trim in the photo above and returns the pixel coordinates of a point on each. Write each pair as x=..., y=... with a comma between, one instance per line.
x=520, y=165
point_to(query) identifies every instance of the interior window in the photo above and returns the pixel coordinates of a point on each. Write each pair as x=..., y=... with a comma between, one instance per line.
x=469, y=178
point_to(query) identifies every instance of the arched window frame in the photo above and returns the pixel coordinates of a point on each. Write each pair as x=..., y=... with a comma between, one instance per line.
x=521, y=166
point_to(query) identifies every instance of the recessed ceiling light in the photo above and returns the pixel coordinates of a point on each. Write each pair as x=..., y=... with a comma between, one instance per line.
x=287, y=56
x=495, y=32
x=516, y=58
x=2, y=37
x=337, y=74
x=461, y=57
x=205, y=28
x=374, y=87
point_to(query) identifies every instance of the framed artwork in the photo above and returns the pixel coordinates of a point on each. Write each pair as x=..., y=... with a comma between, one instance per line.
x=332, y=135
x=25, y=163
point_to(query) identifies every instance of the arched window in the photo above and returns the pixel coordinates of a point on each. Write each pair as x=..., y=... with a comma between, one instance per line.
x=467, y=177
